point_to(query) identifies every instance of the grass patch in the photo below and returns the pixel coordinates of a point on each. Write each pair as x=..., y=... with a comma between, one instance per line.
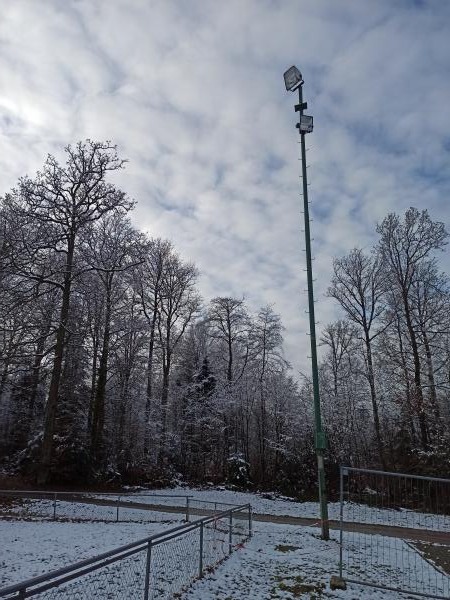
x=286, y=548
x=296, y=586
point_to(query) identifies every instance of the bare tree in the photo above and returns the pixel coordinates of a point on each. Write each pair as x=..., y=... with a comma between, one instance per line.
x=266, y=341
x=113, y=247
x=148, y=281
x=228, y=320
x=358, y=285
x=339, y=337
x=430, y=309
x=179, y=302
x=62, y=201
x=404, y=247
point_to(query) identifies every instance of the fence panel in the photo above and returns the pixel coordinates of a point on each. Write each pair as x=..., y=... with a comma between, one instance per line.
x=174, y=565
x=156, y=568
x=121, y=579
x=395, y=531
x=92, y=507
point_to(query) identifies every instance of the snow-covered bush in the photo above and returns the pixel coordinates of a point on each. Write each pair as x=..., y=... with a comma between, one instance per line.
x=238, y=471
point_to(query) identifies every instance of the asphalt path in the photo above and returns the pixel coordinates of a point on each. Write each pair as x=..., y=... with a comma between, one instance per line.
x=405, y=533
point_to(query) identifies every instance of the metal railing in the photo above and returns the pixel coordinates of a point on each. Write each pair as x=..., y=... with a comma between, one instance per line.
x=196, y=506
x=395, y=531
x=153, y=568
x=93, y=506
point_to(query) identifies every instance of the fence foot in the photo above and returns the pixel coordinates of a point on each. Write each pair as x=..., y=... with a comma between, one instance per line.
x=337, y=583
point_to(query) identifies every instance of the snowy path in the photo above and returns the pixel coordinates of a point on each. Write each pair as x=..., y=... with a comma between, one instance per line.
x=273, y=504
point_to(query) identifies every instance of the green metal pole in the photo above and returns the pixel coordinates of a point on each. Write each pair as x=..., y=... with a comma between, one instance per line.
x=320, y=440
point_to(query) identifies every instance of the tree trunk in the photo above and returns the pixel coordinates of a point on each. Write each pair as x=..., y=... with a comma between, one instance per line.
x=35, y=373
x=4, y=377
x=373, y=397
x=52, y=401
x=230, y=352
x=149, y=389
x=95, y=343
x=164, y=400
x=431, y=382
x=409, y=412
x=417, y=375
x=98, y=413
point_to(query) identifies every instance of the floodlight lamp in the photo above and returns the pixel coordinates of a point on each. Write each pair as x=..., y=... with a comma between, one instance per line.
x=292, y=79
x=306, y=124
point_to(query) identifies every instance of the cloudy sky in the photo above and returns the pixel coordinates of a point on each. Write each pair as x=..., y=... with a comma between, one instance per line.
x=192, y=92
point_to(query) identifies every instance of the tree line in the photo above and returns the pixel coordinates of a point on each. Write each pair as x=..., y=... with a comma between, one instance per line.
x=112, y=366
x=386, y=373
x=114, y=369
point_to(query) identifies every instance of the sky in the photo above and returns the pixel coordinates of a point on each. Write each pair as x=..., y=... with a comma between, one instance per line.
x=192, y=93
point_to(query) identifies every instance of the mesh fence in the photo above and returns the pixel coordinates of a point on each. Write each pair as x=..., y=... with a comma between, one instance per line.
x=122, y=579
x=144, y=507
x=395, y=531
x=27, y=508
x=174, y=565
x=216, y=541
x=202, y=508
x=91, y=508
x=157, y=568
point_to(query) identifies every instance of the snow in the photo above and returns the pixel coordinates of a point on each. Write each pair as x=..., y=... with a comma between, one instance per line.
x=394, y=562
x=283, y=561
x=280, y=561
x=277, y=561
x=220, y=499
x=275, y=505
x=30, y=548
x=79, y=511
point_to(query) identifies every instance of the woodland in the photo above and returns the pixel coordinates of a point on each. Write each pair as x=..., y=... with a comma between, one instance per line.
x=114, y=370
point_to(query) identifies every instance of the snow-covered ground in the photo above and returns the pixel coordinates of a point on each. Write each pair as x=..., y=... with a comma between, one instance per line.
x=30, y=548
x=271, y=504
x=79, y=511
x=287, y=562
x=219, y=499
x=281, y=561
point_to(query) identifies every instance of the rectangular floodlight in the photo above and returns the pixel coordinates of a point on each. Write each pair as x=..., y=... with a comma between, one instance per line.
x=292, y=78
x=306, y=124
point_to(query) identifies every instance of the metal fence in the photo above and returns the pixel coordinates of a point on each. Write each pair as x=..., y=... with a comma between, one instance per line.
x=395, y=531
x=158, y=567
x=82, y=506
x=196, y=506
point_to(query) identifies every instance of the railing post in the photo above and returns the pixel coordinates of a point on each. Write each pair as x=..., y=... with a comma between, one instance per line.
x=147, y=571
x=250, y=524
x=117, y=509
x=21, y=595
x=230, y=533
x=187, y=509
x=342, y=471
x=54, y=506
x=200, y=565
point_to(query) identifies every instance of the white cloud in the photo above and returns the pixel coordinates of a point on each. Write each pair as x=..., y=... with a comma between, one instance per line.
x=193, y=94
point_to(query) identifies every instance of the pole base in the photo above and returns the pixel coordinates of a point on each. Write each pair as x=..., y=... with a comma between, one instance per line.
x=337, y=583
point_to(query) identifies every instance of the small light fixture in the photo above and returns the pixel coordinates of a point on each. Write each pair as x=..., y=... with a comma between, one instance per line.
x=292, y=79
x=306, y=124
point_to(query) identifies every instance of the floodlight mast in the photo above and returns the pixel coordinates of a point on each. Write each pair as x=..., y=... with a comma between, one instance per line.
x=304, y=126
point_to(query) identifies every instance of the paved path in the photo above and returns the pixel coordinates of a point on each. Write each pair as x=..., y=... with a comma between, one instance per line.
x=420, y=535
x=411, y=534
